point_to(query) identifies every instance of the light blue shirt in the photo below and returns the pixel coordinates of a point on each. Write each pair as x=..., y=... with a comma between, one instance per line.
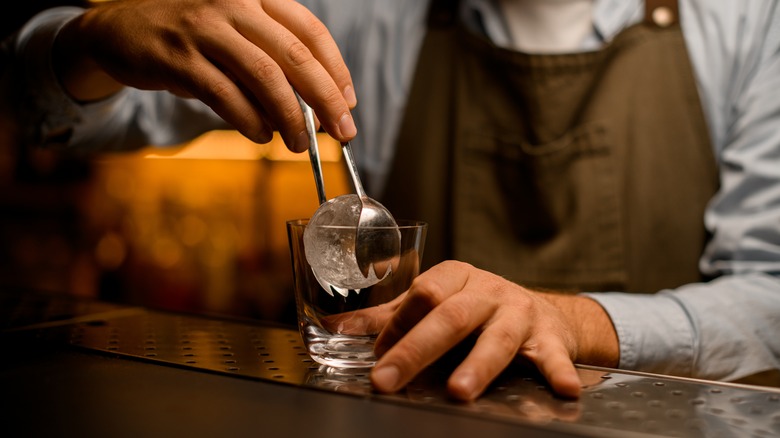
x=724, y=329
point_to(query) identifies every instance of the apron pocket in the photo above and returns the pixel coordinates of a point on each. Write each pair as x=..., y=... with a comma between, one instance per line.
x=545, y=214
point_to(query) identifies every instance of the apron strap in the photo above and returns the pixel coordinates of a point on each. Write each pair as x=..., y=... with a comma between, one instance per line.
x=661, y=13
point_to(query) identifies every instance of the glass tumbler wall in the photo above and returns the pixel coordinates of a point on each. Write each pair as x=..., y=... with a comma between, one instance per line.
x=339, y=327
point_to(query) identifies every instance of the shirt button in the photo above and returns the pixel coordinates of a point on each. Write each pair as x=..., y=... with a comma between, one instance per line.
x=663, y=16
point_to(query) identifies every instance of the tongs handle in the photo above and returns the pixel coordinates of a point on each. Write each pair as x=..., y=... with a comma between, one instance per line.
x=352, y=168
x=314, y=150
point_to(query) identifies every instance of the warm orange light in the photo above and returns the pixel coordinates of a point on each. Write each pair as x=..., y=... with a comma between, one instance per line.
x=204, y=222
x=231, y=145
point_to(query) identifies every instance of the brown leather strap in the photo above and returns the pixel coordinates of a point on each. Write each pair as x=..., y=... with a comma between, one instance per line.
x=661, y=13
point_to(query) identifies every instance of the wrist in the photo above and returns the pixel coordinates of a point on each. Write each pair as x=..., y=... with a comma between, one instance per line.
x=79, y=74
x=597, y=341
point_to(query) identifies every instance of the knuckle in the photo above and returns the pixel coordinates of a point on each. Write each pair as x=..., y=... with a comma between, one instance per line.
x=496, y=287
x=456, y=315
x=333, y=97
x=298, y=54
x=315, y=28
x=289, y=113
x=319, y=36
x=459, y=264
x=192, y=18
x=264, y=69
x=221, y=90
x=426, y=291
x=199, y=17
x=505, y=338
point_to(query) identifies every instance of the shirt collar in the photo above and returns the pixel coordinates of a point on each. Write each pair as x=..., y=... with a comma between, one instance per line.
x=612, y=16
x=609, y=17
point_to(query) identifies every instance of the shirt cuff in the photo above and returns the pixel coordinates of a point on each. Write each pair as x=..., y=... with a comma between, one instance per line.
x=47, y=111
x=655, y=333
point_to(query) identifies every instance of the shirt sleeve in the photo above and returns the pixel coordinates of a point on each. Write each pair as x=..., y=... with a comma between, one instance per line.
x=727, y=328
x=722, y=330
x=130, y=119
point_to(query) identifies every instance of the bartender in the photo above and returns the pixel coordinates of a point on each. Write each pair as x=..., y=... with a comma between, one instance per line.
x=606, y=172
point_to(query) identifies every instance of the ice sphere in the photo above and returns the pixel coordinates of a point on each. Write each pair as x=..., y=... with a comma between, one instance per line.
x=330, y=250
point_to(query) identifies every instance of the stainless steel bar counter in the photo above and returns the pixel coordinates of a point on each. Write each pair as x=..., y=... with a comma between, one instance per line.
x=84, y=368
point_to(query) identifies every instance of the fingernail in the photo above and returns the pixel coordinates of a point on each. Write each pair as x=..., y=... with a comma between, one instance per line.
x=349, y=96
x=264, y=136
x=347, y=126
x=385, y=378
x=465, y=383
x=301, y=142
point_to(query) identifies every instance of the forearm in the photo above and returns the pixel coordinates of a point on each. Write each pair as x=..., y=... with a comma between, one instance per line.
x=596, y=337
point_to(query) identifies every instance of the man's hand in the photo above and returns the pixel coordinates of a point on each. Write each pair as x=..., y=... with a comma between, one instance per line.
x=238, y=56
x=452, y=300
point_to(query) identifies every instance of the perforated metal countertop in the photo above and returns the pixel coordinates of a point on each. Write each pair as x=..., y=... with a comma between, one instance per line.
x=613, y=403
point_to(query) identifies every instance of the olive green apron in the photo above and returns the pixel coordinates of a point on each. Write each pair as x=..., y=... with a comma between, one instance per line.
x=587, y=171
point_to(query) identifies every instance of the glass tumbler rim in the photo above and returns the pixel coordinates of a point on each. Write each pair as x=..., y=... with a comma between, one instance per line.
x=402, y=224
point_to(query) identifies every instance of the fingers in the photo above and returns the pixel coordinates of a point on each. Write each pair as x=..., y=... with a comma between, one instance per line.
x=439, y=331
x=309, y=59
x=303, y=24
x=554, y=362
x=362, y=322
x=238, y=56
x=427, y=291
x=238, y=98
x=494, y=350
x=451, y=301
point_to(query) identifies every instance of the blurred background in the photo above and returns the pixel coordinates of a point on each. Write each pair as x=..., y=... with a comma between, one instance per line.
x=198, y=228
